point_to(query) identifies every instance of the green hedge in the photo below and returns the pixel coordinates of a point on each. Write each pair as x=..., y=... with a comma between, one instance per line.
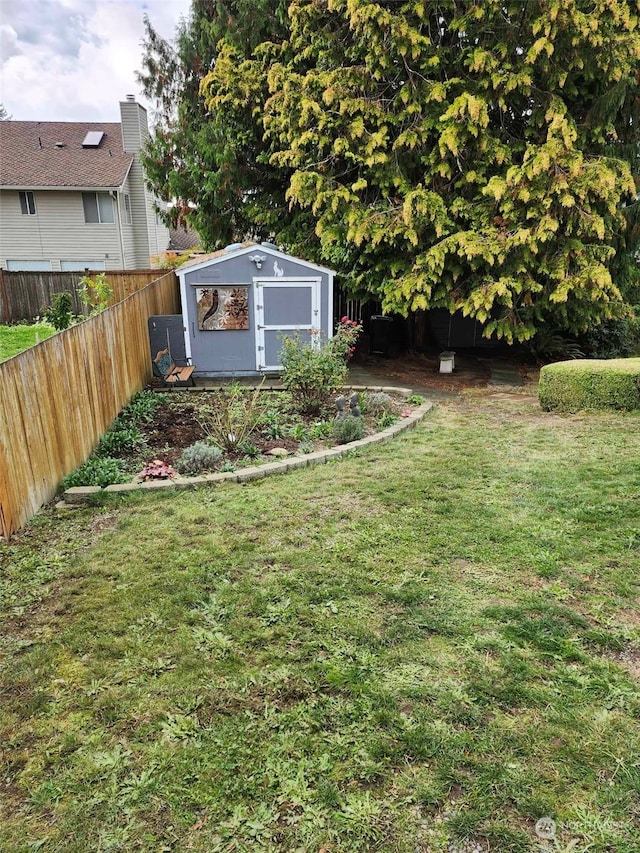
x=570, y=386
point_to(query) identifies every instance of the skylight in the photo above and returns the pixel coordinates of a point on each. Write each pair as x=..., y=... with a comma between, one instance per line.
x=93, y=139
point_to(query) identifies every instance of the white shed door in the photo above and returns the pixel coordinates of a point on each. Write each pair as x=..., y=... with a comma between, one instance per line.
x=284, y=306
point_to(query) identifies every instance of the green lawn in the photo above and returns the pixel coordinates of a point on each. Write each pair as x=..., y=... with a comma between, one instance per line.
x=421, y=648
x=15, y=339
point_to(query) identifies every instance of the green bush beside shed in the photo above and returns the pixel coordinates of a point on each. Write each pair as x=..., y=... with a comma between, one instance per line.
x=572, y=386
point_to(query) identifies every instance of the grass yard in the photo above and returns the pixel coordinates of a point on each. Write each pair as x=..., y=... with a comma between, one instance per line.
x=15, y=339
x=424, y=648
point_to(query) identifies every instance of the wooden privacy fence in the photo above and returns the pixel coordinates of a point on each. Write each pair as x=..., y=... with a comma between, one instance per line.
x=24, y=295
x=59, y=397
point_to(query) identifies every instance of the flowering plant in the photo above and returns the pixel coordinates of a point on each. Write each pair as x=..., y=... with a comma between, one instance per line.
x=346, y=336
x=157, y=470
x=314, y=370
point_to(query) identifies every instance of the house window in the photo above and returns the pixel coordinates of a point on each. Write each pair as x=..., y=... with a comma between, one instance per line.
x=98, y=207
x=29, y=266
x=127, y=209
x=27, y=203
x=81, y=266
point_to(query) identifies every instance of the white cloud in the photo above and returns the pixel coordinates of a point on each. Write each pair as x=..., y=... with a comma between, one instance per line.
x=74, y=60
x=8, y=42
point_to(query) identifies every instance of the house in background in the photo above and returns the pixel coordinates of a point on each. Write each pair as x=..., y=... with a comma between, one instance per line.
x=72, y=195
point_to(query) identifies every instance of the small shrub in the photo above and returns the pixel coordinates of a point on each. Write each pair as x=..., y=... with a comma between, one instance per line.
x=201, y=456
x=590, y=384
x=377, y=402
x=60, y=314
x=234, y=416
x=613, y=338
x=120, y=440
x=157, y=470
x=96, y=471
x=313, y=371
x=550, y=345
x=415, y=399
x=95, y=293
x=348, y=429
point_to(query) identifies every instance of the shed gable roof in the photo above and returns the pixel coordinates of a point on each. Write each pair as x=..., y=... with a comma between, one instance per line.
x=50, y=154
x=234, y=251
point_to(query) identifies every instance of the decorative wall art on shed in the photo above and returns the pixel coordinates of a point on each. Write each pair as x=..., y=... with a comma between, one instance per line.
x=222, y=308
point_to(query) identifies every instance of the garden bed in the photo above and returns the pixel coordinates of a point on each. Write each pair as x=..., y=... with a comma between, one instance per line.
x=155, y=435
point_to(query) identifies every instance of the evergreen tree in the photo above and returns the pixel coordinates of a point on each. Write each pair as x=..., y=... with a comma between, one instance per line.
x=211, y=165
x=461, y=154
x=478, y=156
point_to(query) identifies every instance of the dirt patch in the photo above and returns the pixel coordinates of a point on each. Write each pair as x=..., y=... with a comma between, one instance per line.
x=630, y=660
x=629, y=616
x=103, y=523
x=173, y=428
x=422, y=372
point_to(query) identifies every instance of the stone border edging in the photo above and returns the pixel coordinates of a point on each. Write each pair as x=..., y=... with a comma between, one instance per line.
x=83, y=494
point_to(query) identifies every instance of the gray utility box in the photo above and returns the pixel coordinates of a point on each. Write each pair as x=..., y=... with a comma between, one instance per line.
x=166, y=331
x=238, y=304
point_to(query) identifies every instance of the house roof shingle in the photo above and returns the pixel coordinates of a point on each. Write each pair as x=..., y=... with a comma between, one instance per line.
x=50, y=154
x=183, y=238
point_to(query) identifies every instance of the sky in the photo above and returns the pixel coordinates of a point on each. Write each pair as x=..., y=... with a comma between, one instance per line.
x=75, y=60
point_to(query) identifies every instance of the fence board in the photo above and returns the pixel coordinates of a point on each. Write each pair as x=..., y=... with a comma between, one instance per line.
x=24, y=295
x=57, y=398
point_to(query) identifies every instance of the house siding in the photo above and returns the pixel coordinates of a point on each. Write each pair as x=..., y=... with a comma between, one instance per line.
x=128, y=234
x=56, y=233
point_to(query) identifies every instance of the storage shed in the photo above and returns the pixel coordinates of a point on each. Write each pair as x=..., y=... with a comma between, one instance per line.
x=237, y=305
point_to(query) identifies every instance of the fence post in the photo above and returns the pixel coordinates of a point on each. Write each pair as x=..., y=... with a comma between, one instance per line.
x=5, y=304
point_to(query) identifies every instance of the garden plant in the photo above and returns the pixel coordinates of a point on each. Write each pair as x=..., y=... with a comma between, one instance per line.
x=221, y=430
x=314, y=369
x=95, y=293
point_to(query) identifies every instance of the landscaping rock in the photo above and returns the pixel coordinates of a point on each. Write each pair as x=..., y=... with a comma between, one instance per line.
x=77, y=494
